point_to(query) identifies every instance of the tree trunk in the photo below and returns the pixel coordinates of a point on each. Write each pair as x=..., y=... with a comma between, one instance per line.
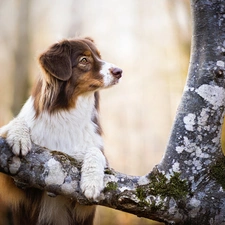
x=187, y=187
x=21, y=57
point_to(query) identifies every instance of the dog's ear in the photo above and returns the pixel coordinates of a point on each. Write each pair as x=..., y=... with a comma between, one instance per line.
x=56, y=61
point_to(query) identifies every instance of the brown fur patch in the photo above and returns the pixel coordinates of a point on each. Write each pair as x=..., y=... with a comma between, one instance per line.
x=59, y=87
x=10, y=194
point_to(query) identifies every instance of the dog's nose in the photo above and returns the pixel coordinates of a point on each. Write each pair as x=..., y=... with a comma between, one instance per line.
x=116, y=72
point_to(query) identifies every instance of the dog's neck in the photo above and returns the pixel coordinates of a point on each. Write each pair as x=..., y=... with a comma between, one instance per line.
x=48, y=98
x=85, y=106
x=56, y=96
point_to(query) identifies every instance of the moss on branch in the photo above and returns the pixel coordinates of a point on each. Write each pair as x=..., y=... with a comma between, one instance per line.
x=160, y=185
x=217, y=172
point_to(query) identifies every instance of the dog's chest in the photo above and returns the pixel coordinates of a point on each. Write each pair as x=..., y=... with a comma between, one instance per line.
x=72, y=132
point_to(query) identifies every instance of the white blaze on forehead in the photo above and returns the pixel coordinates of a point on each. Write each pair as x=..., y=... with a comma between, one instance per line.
x=106, y=73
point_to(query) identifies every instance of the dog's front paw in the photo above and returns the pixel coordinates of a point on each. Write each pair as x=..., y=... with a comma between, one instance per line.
x=20, y=143
x=92, y=186
x=92, y=174
x=17, y=135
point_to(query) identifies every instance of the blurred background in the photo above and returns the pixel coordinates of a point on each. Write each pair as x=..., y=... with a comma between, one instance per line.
x=148, y=39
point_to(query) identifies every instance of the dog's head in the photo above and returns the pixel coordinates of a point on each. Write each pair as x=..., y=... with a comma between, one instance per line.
x=72, y=68
x=78, y=62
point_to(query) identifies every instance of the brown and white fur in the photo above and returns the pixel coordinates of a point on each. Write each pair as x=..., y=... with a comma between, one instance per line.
x=62, y=114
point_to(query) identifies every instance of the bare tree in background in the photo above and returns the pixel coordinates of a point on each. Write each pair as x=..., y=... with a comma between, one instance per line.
x=183, y=40
x=188, y=186
x=20, y=72
x=21, y=56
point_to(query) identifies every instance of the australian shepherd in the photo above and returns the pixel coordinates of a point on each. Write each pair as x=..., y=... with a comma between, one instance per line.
x=62, y=114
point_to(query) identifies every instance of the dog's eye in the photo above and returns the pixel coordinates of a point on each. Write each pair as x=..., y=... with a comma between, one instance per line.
x=83, y=60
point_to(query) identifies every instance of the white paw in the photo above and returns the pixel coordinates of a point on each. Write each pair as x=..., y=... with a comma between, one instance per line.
x=17, y=136
x=92, y=174
x=92, y=186
x=20, y=145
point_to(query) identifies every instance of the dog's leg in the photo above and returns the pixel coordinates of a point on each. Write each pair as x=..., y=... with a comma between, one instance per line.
x=92, y=173
x=17, y=135
x=83, y=215
x=88, y=221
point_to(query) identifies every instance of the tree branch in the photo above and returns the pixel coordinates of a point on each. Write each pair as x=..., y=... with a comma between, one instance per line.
x=59, y=174
x=147, y=196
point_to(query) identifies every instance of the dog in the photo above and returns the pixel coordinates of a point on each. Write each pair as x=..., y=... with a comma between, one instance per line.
x=62, y=114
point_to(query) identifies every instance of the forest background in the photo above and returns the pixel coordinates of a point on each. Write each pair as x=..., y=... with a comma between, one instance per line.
x=150, y=40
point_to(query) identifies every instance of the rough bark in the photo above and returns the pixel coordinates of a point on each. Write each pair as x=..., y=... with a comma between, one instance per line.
x=187, y=187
